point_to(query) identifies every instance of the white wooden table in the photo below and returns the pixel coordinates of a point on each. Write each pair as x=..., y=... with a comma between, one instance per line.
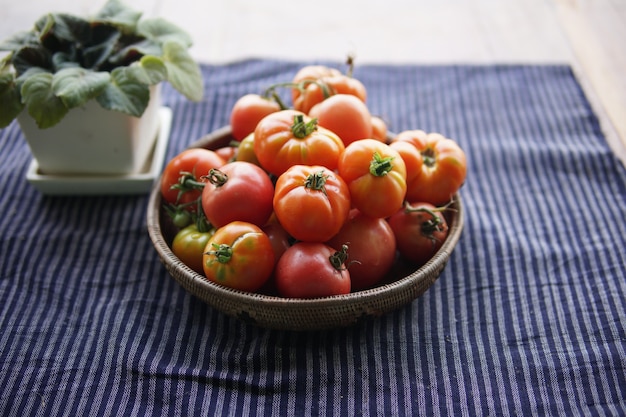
x=588, y=34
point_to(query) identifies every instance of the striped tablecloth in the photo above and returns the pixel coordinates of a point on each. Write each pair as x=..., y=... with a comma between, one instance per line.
x=528, y=318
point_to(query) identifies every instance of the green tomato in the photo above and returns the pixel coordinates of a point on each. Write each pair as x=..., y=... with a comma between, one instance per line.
x=188, y=245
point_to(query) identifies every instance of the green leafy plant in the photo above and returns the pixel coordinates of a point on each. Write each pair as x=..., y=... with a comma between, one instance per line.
x=113, y=57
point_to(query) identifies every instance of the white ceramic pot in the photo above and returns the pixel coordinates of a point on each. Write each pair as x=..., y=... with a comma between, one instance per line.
x=91, y=140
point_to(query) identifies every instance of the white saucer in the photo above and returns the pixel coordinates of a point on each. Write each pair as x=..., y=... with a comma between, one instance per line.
x=108, y=184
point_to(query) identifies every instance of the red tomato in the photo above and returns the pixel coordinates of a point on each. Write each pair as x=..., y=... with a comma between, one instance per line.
x=376, y=176
x=346, y=115
x=238, y=191
x=279, y=237
x=311, y=202
x=316, y=91
x=239, y=255
x=197, y=162
x=372, y=248
x=312, y=269
x=188, y=245
x=412, y=159
x=248, y=111
x=289, y=137
x=227, y=153
x=379, y=129
x=420, y=230
x=444, y=167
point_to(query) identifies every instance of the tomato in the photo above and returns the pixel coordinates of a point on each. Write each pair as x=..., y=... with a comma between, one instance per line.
x=372, y=248
x=305, y=76
x=239, y=255
x=311, y=202
x=289, y=137
x=312, y=269
x=238, y=191
x=444, y=167
x=376, y=176
x=420, y=230
x=197, y=162
x=247, y=111
x=345, y=115
x=279, y=237
x=188, y=245
x=412, y=160
x=379, y=129
x=245, y=150
x=316, y=91
x=227, y=153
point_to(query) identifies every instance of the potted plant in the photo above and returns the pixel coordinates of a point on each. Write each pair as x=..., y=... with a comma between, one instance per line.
x=67, y=67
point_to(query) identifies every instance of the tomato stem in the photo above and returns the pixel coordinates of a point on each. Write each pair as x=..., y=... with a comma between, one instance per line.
x=302, y=129
x=216, y=177
x=350, y=63
x=380, y=166
x=431, y=225
x=429, y=157
x=338, y=258
x=222, y=252
x=316, y=181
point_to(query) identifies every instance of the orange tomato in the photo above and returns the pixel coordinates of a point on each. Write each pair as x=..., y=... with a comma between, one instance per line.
x=376, y=176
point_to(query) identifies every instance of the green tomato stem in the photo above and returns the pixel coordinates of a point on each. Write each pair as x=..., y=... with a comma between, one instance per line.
x=316, y=181
x=222, y=252
x=302, y=129
x=338, y=258
x=216, y=177
x=380, y=166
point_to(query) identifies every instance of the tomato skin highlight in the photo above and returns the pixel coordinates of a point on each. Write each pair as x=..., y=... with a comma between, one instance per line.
x=346, y=115
x=308, y=214
x=250, y=263
x=277, y=147
x=444, y=167
x=375, y=195
x=188, y=245
x=246, y=195
x=198, y=162
x=305, y=271
x=371, y=248
x=420, y=230
x=247, y=111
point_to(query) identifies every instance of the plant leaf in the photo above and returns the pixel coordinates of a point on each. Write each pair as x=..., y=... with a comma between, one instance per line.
x=42, y=104
x=134, y=51
x=162, y=31
x=19, y=40
x=10, y=101
x=124, y=94
x=103, y=43
x=67, y=29
x=149, y=70
x=32, y=56
x=118, y=14
x=182, y=71
x=75, y=86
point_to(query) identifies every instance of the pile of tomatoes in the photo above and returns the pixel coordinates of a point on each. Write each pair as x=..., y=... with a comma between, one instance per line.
x=312, y=200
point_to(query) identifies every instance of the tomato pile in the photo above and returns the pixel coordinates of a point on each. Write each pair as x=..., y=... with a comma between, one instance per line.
x=312, y=200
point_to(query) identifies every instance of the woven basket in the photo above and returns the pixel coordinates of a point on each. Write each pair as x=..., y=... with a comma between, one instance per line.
x=403, y=286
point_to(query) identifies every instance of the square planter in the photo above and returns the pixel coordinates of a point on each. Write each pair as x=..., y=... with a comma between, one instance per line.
x=91, y=140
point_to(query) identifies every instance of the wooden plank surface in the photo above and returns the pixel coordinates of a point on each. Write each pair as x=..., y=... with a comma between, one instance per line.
x=587, y=34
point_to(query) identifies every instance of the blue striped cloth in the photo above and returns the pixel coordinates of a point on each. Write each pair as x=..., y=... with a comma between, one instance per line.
x=528, y=318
